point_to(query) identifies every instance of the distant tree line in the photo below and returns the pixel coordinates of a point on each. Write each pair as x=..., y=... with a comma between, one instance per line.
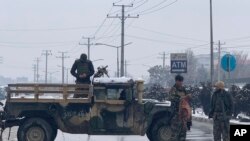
x=201, y=96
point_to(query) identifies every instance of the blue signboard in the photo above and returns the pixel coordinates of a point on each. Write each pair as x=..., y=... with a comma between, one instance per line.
x=178, y=63
x=228, y=63
x=179, y=66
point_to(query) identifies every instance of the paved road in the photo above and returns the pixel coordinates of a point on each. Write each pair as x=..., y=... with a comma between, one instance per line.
x=199, y=132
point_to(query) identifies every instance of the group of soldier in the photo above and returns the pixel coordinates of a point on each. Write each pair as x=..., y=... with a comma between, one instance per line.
x=221, y=111
x=221, y=104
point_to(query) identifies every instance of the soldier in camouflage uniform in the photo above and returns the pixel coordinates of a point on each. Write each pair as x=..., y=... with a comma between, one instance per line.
x=178, y=124
x=221, y=112
x=82, y=70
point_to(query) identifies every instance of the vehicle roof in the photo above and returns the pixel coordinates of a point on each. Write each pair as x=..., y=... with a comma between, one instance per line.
x=113, y=80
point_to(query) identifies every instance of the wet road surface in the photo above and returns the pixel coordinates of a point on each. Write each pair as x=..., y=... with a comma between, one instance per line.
x=199, y=132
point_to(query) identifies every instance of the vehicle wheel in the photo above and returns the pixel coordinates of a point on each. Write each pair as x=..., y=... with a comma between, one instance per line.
x=161, y=131
x=35, y=129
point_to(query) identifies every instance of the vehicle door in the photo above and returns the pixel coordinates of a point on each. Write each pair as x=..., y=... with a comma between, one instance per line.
x=113, y=108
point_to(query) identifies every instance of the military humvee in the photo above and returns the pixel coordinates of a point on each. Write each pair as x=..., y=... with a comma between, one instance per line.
x=110, y=106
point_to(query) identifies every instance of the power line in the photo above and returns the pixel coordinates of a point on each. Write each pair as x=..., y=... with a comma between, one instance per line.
x=237, y=38
x=34, y=71
x=219, y=59
x=155, y=6
x=159, y=41
x=144, y=2
x=37, y=60
x=51, y=29
x=107, y=29
x=63, y=58
x=123, y=18
x=99, y=28
x=145, y=12
x=238, y=46
x=1, y=59
x=46, y=53
x=163, y=57
x=89, y=44
x=166, y=34
x=31, y=43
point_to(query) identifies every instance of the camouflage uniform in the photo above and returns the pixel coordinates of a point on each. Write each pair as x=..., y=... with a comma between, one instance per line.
x=178, y=126
x=221, y=111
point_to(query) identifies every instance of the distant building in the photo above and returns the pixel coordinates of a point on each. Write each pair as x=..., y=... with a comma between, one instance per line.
x=5, y=80
x=204, y=60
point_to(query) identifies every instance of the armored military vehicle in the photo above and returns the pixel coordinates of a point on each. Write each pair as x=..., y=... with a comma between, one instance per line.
x=109, y=106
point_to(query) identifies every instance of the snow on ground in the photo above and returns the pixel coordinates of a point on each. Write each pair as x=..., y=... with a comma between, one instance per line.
x=112, y=80
x=67, y=137
x=200, y=114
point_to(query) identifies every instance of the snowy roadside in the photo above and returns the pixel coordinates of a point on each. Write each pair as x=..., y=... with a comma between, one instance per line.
x=200, y=116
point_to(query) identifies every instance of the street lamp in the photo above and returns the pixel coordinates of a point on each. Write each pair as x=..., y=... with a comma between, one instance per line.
x=117, y=47
x=211, y=43
x=97, y=60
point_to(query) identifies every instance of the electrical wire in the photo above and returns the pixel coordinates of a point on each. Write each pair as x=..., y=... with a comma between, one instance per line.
x=155, y=6
x=103, y=22
x=237, y=38
x=165, y=34
x=145, y=13
x=133, y=9
x=159, y=41
x=32, y=43
x=239, y=46
x=52, y=29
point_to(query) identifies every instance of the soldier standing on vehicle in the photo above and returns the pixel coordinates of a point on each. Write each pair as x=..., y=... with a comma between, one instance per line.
x=82, y=70
x=221, y=112
x=181, y=110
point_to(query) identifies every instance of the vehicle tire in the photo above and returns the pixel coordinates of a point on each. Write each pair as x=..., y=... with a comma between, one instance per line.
x=35, y=129
x=160, y=130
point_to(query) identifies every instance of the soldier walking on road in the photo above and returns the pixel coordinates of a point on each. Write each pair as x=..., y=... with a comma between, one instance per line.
x=221, y=112
x=181, y=110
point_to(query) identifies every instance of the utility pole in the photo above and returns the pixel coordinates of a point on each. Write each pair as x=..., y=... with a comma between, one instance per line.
x=126, y=68
x=89, y=44
x=46, y=53
x=67, y=75
x=123, y=18
x=219, y=59
x=34, y=70
x=117, y=61
x=63, y=58
x=37, y=69
x=1, y=59
x=163, y=57
x=211, y=43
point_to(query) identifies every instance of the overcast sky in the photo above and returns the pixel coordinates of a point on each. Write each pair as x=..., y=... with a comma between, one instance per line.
x=27, y=27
